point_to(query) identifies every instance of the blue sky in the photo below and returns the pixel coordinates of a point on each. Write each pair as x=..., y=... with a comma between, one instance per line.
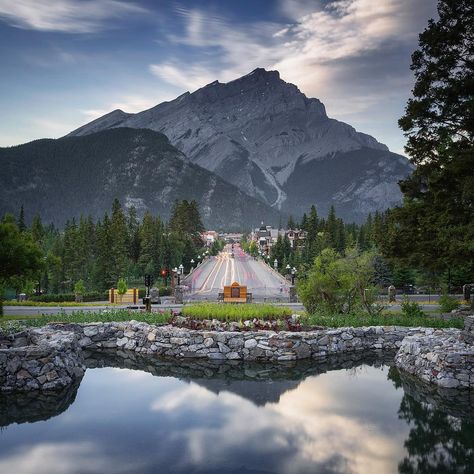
x=66, y=62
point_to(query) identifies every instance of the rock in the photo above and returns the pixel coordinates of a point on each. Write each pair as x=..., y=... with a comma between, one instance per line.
x=23, y=374
x=250, y=343
x=151, y=337
x=216, y=356
x=208, y=342
x=448, y=382
x=90, y=331
x=52, y=375
x=223, y=348
x=122, y=341
x=233, y=356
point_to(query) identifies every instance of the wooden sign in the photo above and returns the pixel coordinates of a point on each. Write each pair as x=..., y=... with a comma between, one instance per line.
x=235, y=293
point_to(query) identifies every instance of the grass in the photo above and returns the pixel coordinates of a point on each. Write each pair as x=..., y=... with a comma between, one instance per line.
x=390, y=319
x=235, y=312
x=85, y=317
x=52, y=303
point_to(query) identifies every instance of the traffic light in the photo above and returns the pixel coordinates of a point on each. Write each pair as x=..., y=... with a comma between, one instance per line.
x=148, y=280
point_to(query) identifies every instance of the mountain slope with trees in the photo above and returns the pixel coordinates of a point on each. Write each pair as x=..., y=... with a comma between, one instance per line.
x=64, y=178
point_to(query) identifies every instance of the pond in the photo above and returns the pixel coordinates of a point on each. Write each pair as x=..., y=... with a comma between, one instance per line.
x=132, y=415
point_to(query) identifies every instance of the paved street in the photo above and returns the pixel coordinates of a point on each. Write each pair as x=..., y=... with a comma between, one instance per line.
x=209, y=279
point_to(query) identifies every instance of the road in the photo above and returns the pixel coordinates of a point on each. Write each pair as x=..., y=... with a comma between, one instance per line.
x=209, y=278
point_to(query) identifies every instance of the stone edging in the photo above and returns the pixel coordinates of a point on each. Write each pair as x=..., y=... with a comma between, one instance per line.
x=55, y=351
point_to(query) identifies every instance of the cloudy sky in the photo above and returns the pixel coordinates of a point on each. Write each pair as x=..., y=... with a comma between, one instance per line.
x=66, y=62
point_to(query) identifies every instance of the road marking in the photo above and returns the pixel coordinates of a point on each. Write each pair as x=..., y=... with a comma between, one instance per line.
x=216, y=269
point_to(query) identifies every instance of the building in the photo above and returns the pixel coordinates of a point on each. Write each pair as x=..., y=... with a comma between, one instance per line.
x=297, y=237
x=209, y=237
x=267, y=236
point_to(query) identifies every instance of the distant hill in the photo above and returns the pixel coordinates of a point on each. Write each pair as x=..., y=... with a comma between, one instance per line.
x=70, y=176
x=266, y=137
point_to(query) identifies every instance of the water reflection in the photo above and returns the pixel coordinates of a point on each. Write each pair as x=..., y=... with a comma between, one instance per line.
x=138, y=415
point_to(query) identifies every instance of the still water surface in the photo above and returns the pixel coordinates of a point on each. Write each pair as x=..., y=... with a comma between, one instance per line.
x=361, y=417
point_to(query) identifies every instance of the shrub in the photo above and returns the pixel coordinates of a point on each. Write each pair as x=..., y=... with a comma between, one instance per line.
x=411, y=309
x=65, y=297
x=340, y=285
x=79, y=290
x=448, y=303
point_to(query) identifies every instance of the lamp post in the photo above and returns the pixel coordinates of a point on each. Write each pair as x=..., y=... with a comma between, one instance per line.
x=199, y=259
x=180, y=272
x=275, y=264
x=288, y=268
x=293, y=274
x=192, y=265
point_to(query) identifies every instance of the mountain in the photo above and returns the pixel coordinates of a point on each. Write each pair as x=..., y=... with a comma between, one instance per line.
x=71, y=176
x=267, y=138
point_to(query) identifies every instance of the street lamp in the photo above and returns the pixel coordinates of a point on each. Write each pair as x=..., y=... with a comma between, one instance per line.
x=293, y=274
x=288, y=268
x=275, y=264
x=180, y=272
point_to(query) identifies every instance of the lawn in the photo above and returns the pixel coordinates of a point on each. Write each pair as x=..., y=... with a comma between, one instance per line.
x=9, y=324
x=387, y=319
x=54, y=303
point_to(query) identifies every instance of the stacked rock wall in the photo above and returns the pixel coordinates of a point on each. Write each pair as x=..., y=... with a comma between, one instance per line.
x=52, y=357
x=446, y=360
x=39, y=359
x=252, y=345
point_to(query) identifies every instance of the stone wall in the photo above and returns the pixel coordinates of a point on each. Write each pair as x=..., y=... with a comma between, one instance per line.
x=445, y=360
x=51, y=357
x=39, y=359
x=249, y=345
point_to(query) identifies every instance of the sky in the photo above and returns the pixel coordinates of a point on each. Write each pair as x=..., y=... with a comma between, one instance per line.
x=67, y=62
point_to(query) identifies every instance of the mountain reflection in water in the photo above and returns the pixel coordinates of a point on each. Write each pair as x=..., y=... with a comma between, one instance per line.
x=134, y=414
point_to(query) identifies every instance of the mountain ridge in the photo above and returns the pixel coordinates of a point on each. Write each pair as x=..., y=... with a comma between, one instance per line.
x=257, y=132
x=64, y=178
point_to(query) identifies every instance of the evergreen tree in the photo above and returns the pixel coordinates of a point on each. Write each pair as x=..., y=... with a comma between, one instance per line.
x=438, y=209
x=291, y=223
x=120, y=243
x=21, y=220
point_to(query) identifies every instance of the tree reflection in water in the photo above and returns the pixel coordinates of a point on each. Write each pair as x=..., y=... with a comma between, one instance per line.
x=441, y=437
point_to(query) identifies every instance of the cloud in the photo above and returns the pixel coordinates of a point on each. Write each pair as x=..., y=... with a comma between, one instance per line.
x=352, y=54
x=63, y=458
x=67, y=16
x=128, y=103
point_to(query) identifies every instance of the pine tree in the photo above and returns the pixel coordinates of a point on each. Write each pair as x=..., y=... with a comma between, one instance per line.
x=434, y=229
x=120, y=244
x=21, y=219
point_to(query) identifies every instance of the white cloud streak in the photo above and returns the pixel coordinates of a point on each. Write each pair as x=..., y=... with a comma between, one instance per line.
x=67, y=16
x=314, y=50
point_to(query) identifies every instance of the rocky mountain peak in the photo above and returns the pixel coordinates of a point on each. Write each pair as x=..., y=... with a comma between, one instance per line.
x=263, y=135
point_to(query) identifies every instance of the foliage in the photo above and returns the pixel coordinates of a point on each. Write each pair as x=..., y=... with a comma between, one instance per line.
x=389, y=319
x=448, y=303
x=65, y=297
x=339, y=284
x=122, y=286
x=108, y=315
x=411, y=309
x=438, y=209
x=100, y=252
x=20, y=258
x=79, y=288
x=235, y=312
